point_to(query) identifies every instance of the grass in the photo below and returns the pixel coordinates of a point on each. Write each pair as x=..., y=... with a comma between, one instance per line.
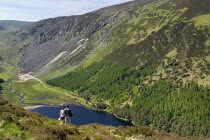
x=61, y=89
x=18, y=124
x=4, y=76
x=10, y=96
x=34, y=92
x=10, y=130
x=202, y=20
x=132, y=28
x=207, y=43
x=172, y=53
x=150, y=19
x=9, y=70
x=9, y=75
x=207, y=58
x=9, y=54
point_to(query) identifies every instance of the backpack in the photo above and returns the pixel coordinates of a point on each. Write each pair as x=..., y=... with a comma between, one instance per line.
x=70, y=113
x=67, y=112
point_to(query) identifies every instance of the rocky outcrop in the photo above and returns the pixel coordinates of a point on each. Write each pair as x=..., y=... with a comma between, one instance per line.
x=79, y=36
x=137, y=33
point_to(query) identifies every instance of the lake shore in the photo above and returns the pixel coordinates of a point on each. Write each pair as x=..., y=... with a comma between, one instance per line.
x=87, y=106
x=29, y=107
x=82, y=115
x=75, y=99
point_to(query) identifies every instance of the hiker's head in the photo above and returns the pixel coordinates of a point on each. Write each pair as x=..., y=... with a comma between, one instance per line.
x=67, y=106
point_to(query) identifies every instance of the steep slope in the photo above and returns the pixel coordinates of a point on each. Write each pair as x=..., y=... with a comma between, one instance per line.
x=123, y=31
x=154, y=68
x=147, y=60
x=181, y=44
x=66, y=40
x=17, y=123
x=164, y=104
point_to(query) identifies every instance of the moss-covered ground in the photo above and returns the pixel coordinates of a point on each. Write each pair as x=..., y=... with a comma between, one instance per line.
x=202, y=20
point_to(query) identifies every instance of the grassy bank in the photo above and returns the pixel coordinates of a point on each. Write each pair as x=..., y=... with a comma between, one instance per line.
x=34, y=92
x=18, y=124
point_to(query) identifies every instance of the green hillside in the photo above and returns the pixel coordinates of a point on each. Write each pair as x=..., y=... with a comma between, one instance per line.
x=130, y=94
x=157, y=69
x=146, y=61
x=18, y=124
x=134, y=34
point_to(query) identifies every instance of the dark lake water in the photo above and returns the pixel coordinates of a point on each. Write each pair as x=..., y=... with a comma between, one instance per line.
x=82, y=116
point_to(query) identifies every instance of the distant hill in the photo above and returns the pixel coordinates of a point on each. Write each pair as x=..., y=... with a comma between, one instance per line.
x=12, y=25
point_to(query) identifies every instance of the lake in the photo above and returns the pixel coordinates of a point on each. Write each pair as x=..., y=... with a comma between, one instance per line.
x=83, y=116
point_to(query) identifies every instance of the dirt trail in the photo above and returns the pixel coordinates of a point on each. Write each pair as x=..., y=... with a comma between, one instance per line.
x=25, y=77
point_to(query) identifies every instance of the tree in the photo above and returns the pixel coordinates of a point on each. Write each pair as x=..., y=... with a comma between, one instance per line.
x=1, y=80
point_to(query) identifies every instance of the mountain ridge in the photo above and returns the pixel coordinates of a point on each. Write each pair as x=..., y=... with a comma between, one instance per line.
x=42, y=38
x=147, y=55
x=12, y=25
x=58, y=33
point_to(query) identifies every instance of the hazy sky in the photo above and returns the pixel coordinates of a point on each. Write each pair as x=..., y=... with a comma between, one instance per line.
x=34, y=10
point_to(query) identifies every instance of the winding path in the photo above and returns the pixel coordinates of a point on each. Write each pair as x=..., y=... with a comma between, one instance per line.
x=27, y=76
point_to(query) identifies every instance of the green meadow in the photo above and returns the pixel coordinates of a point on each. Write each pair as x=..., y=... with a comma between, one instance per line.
x=34, y=92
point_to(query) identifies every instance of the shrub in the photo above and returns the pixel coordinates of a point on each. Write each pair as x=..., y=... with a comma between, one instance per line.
x=101, y=106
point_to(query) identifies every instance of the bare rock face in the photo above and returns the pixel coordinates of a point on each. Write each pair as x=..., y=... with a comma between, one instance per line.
x=1, y=69
x=79, y=36
x=137, y=33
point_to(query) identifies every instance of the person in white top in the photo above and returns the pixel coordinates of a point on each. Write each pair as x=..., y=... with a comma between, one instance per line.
x=62, y=117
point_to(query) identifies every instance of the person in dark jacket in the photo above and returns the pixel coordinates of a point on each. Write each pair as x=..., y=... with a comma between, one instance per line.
x=67, y=114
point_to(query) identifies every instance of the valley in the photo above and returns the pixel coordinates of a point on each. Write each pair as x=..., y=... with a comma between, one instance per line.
x=144, y=61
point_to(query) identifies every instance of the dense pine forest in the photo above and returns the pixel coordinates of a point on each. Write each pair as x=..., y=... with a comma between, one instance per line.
x=105, y=80
x=145, y=61
x=18, y=124
x=180, y=108
x=184, y=110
